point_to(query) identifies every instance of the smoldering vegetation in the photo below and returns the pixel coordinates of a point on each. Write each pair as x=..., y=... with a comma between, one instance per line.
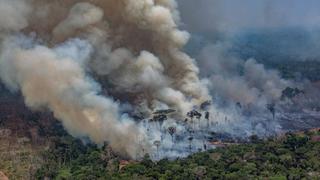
x=264, y=70
x=115, y=71
x=56, y=53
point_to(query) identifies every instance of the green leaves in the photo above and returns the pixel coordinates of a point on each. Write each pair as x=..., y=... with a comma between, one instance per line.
x=292, y=157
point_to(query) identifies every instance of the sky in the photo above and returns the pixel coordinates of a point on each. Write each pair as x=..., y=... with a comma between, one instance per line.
x=235, y=15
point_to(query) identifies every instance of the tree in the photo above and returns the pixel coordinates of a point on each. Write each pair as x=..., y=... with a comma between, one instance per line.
x=172, y=130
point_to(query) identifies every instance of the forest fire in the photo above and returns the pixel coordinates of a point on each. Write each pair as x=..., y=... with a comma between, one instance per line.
x=116, y=71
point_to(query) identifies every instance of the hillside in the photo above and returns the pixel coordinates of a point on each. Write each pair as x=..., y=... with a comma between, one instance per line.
x=24, y=136
x=292, y=156
x=35, y=145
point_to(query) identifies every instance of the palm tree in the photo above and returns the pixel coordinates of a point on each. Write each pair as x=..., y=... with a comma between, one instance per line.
x=172, y=130
x=190, y=142
x=157, y=144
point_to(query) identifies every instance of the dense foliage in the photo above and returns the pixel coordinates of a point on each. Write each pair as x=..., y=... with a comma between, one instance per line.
x=294, y=156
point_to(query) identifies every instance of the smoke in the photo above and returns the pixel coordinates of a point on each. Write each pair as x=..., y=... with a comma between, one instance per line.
x=80, y=16
x=51, y=78
x=234, y=44
x=267, y=30
x=89, y=63
x=13, y=15
x=233, y=16
x=105, y=67
x=256, y=96
x=242, y=81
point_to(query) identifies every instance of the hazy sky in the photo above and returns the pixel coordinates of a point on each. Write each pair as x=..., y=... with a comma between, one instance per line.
x=232, y=15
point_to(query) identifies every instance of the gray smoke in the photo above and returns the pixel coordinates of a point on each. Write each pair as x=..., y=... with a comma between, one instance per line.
x=234, y=16
x=13, y=15
x=56, y=53
x=97, y=64
x=55, y=79
x=243, y=81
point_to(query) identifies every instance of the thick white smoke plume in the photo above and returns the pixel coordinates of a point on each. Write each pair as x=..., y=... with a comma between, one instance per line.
x=55, y=79
x=13, y=15
x=57, y=52
x=80, y=16
x=106, y=67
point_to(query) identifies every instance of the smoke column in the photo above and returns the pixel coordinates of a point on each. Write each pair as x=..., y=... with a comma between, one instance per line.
x=239, y=46
x=104, y=67
x=49, y=78
x=56, y=53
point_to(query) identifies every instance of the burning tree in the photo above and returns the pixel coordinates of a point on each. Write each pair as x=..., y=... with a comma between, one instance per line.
x=207, y=117
x=272, y=109
x=172, y=130
x=190, y=142
x=157, y=144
